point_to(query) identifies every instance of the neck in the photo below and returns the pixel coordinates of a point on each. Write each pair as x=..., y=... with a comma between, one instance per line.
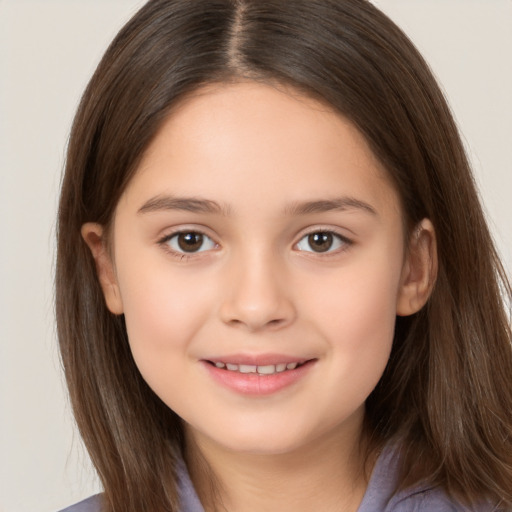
x=328, y=474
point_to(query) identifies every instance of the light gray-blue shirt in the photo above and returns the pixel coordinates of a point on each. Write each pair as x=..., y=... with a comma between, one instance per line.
x=380, y=495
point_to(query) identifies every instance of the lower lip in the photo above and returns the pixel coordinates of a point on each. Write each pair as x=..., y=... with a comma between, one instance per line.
x=256, y=384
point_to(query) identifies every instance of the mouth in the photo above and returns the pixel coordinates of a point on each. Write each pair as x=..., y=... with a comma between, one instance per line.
x=260, y=375
x=268, y=369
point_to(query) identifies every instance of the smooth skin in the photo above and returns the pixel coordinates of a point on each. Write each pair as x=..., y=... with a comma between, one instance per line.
x=259, y=222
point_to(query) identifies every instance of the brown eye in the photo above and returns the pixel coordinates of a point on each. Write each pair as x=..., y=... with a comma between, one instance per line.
x=190, y=242
x=322, y=241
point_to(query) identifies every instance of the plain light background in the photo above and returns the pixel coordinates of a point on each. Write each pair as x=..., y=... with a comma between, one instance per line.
x=48, y=51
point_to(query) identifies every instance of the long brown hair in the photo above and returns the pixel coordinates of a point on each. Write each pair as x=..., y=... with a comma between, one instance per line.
x=446, y=392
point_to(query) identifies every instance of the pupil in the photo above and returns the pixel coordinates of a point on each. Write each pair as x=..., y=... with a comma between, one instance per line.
x=320, y=242
x=190, y=242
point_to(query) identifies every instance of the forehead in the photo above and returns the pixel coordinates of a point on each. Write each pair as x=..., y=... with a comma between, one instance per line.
x=230, y=138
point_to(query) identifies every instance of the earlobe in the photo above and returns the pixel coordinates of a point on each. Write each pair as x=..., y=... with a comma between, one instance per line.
x=419, y=271
x=93, y=234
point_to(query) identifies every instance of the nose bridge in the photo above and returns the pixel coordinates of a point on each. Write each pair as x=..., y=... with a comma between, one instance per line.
x=257, y=295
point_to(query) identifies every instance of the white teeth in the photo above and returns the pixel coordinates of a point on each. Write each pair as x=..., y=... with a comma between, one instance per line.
x=269, y=369
x=247, y=368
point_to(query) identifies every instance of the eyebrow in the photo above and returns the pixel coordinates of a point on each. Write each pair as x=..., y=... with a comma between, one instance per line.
x=327, y=205
x=188, y=204
x=198, y=205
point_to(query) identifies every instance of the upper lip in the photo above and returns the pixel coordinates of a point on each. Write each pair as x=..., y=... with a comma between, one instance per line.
x=257, y=359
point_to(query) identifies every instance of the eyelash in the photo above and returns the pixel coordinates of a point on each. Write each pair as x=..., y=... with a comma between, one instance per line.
x=342, y=240
x=184, y=255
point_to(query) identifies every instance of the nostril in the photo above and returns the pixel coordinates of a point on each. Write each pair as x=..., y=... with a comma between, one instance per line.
x=255, y=312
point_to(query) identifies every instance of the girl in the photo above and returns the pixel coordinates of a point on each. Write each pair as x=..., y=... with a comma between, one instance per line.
x=275, y=286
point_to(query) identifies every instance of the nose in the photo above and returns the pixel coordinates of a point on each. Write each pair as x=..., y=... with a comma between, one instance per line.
x=257, y=295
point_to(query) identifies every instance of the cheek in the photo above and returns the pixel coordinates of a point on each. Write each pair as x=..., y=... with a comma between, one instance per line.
x=361, y=296
x=163, y=312
x=366, y=310
x=162, y=318
x=356, y=315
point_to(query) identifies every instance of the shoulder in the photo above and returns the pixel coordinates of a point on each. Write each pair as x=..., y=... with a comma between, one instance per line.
x=189, y=502
x=382, y=494
x=92, y=504
x=428, y=499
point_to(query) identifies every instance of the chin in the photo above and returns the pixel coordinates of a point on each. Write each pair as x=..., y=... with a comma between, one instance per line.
x=259, y=439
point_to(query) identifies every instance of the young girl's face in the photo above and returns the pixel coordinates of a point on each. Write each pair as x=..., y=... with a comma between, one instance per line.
x=258, y=257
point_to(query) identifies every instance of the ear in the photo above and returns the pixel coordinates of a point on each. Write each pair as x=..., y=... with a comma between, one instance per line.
x=419, y=271
x=93, y=234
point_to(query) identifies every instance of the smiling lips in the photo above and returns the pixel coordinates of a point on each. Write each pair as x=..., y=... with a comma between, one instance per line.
x=269, y=369
x=242, y=376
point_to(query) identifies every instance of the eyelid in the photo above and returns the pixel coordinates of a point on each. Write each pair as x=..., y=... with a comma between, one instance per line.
x=164, y=241
x=346, y=242
x=171, y=230
x=336, y=232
